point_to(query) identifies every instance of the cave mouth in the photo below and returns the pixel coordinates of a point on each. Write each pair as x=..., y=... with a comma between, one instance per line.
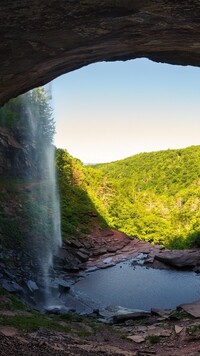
x=40, y=43
x=109, y=111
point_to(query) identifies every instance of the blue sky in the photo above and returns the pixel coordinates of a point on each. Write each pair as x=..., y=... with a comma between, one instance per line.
x=108, y=111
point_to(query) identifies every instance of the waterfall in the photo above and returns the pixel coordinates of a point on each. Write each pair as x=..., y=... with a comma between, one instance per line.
x=41, y=176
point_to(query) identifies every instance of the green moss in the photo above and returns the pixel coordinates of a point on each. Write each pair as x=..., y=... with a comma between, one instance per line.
x=154, y=339
x=178, y=315
x=16, y=304
x=193, y=330
x=84, y=333
x=33, y=323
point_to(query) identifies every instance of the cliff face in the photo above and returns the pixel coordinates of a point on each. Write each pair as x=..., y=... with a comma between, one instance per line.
x=42, y=40
x=18, y=154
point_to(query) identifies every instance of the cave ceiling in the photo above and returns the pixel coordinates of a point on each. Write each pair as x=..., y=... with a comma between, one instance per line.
x=41, y=40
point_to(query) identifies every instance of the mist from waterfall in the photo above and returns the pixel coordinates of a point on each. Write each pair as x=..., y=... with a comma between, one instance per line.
x=44, y=200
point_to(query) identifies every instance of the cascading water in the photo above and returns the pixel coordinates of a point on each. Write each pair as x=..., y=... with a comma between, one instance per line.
x=44, y=199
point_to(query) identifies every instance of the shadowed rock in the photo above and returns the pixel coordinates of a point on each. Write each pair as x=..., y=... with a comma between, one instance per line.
x=40, y=41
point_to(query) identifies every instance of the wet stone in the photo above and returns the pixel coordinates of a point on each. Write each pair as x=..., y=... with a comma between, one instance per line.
x=12, y=287
x=59, y=310
x=32, y=285
x=83, y=257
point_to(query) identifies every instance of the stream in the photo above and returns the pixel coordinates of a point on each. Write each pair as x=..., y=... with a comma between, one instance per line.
x=139, y=287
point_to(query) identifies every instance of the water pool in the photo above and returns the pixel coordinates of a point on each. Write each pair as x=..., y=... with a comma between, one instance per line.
x=139, y=287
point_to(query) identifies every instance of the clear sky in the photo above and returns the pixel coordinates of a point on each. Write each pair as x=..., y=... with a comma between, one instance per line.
x=108, y=111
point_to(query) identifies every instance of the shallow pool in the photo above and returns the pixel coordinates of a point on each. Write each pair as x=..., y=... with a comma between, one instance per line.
x=139, y=287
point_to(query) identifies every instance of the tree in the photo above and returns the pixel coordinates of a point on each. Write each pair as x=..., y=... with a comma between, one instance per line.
x=32, y=113
x=27, y=122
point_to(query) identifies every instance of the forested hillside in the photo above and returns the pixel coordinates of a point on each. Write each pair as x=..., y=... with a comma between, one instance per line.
x=153, y=196
x=78, y=213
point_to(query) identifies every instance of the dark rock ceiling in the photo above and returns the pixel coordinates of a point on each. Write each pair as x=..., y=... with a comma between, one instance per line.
x=42, y=39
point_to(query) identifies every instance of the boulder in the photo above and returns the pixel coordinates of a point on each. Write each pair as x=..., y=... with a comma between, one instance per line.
x=180, y=259
x=59, y=310
x=61, y=284
x=118, y=314
x=135, y=315
x=32, y=286
x=8, y=331
x=12, y=287
x=137, y=338
x=107, y=260
x=178, y=329
x=192, y=308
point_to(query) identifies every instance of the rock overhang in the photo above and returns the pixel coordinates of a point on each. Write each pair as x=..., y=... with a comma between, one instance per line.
x=43, y=40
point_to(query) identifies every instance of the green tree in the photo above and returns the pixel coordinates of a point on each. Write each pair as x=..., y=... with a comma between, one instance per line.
x=31, y=113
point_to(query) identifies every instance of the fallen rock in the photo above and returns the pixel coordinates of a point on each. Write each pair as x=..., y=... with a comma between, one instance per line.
x=178, y=329
x=137, y=338
x=32, y=286
x=107, y=260
x=8, y=331
x=165, y=314
x=58, y=310
x=192, y=308
x=180, y=259
x=12, y=287
x=61, y=284
x=118, y=314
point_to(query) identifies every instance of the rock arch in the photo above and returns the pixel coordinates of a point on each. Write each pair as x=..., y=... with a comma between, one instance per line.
x=41, y=40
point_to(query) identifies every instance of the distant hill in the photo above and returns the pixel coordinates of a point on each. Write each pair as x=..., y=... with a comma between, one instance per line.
x=153, y=196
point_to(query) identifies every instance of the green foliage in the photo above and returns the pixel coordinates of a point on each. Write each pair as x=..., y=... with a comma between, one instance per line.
x=77, y=209
x=154, y=339
x=193, y=330
x=32, y=322
x=10, y=229
x=31, y=113
x=194, y=239
x=152, y=196
x=9, y=113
